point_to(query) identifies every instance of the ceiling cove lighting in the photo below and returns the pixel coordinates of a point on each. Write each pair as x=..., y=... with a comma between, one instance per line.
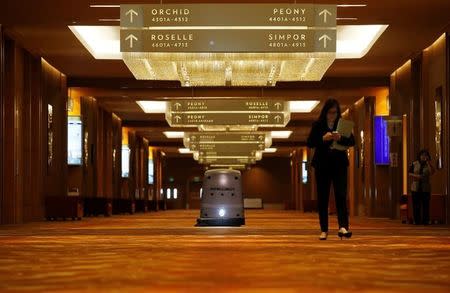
x=351, y=5
x=153, y=107
x=270, y=150
x=104, y=6
x=103, y=42
x=185, y=151
x=109, y=20
x=282, y=134
x=302, y=106
x=355, y=41
x=174, y=134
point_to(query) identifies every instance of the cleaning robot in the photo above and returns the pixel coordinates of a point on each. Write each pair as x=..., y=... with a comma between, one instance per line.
x=222, y=203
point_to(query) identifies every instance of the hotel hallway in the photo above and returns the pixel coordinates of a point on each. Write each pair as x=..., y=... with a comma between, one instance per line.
x=278, y=251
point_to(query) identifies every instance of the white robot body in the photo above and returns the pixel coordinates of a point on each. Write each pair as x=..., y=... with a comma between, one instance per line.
x=222, y=203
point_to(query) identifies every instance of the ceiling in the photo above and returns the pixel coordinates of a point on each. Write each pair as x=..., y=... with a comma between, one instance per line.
x=42, y=28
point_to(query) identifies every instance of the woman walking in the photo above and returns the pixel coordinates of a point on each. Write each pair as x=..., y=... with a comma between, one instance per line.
x=330, y=165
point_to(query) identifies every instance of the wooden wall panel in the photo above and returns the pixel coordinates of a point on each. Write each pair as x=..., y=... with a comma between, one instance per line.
x=158, y=161
x=434, y=76
x=2, y=138
x=100, y=175
x=364, y=194
x=89, y=117
x=9, y=166
x=299, y=191
x=54, y=92
x=402, y=99
x=128, y=185
x=116, y=130
x=30, y=85
x=412, y=93
x=183, y=171
x=270, y=180
x=446, y=151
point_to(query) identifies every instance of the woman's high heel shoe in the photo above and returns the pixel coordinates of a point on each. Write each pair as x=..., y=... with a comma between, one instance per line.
x=344, y=233
x=323, y=236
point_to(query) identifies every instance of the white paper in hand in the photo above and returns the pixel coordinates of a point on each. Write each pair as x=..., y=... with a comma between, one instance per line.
x=345, y=129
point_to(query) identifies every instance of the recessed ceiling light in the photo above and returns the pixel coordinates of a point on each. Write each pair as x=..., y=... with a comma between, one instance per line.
x=346, y=18
x=153, y=106
x=103, y=42
x=109, y=20
x=355, y=41
x=281, y=134
x=270, y=150
x=104, y=6
x=185, y=151
x=302, y=106
x=174, y=134
x=352, y=5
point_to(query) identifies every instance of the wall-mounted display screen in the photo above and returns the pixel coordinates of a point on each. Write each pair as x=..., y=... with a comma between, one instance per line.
x=381, y=141
x=74, y=141
x=150, y=171
x=125, y=161
x=304, y=172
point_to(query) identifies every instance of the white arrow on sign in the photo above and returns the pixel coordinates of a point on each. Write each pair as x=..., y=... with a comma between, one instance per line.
x=131, y=13
x=325, y=13
x=177, y=106
x=261, y=137
x=177, y=119
x=131, y=38
x=278, y=118
x=278, y=105
x=325, y=38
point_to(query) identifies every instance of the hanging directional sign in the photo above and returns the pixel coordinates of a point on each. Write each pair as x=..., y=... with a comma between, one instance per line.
x=227, y=160
x=157, y=15
x=225, y=137
x=228, y=105
x=272, y=119
x=228, y=153
x=228, y=40
x=225, y=147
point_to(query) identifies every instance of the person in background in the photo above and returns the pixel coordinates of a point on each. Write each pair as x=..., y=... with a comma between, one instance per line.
x=421, y=170
x=330, y=166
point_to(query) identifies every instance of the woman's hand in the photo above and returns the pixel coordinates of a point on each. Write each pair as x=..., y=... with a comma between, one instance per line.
x=415, y=177
x=336, y=136
x=328, y=136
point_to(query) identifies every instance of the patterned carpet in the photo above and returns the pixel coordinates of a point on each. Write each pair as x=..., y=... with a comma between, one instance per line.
x=277, y=251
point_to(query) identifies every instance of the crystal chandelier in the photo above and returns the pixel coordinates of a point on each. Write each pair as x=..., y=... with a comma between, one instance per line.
x=229, y=69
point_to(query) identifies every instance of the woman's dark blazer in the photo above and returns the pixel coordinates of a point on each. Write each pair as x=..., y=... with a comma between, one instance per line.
x=323, y=154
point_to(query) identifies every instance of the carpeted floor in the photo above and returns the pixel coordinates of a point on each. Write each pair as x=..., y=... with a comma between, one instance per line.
x=278, y=251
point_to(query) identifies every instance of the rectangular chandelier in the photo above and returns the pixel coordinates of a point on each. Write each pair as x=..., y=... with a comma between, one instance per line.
x=229, y=69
